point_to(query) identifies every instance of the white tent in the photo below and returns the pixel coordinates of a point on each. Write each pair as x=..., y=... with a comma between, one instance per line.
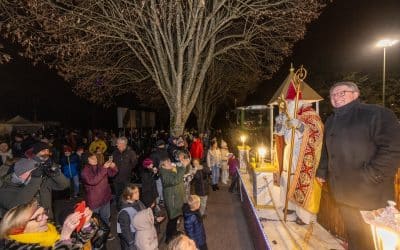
x=19, y=123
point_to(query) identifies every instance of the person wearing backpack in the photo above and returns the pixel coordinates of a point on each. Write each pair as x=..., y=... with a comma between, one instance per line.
x=130, y=206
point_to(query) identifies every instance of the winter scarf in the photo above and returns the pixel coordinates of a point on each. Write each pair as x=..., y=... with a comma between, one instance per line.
x=44, y=239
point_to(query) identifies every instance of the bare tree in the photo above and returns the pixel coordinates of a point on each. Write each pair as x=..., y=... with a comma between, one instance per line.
x=224, y=83
x=117, y=46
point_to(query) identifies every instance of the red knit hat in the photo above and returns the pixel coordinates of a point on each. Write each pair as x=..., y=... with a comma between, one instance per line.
x=147, y=162
x=291, y=92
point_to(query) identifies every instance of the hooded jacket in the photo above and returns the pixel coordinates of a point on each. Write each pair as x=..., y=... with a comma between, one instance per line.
x=196, y=150
x=146, y=234
x=13, y=192
x=194, y=227
x=173, y=189
x=70, y=165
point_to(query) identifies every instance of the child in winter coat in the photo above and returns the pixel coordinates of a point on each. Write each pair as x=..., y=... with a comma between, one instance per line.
x=201, y=183
x=146, y=234
x=130, y=206
x=193, y=222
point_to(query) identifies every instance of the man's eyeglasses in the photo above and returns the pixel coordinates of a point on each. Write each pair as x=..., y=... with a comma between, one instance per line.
x=340, y=93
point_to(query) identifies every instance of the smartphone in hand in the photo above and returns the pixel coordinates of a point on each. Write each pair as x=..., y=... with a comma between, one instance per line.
x=80, y=207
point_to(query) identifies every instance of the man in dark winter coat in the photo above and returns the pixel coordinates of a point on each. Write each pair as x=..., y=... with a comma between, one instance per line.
x=125, y=159
x=36, y=177
x=360, y=157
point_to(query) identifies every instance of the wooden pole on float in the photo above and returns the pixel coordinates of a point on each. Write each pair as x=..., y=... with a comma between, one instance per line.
x=299, y=76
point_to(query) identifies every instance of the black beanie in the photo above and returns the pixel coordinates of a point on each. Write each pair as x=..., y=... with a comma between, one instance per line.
x=39, y=147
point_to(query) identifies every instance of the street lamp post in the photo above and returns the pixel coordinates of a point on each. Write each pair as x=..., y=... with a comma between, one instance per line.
x=383, y=44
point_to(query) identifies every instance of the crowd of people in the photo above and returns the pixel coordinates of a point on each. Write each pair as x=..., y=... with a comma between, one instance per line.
x=153, y=178
x=147, y=185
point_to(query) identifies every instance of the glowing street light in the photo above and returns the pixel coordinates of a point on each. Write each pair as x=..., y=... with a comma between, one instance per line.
x=383, y=44
x=386, y=43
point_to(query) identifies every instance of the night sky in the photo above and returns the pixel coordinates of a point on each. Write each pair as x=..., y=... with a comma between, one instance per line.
x=342, y=39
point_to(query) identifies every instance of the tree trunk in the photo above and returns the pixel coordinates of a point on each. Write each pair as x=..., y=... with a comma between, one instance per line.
x=177, y=122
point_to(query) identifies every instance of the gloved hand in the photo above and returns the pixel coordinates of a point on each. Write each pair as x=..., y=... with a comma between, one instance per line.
x=293, y=123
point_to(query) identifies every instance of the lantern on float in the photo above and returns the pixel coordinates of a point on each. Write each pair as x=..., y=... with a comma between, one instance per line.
x=385, y=226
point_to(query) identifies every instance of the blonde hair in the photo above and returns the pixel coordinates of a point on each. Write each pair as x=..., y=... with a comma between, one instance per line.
x=181, y=242
x=128, y=191
x=17, y=217
x=193, y=200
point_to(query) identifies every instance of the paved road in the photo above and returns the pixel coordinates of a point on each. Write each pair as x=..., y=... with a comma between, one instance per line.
x=225, y=224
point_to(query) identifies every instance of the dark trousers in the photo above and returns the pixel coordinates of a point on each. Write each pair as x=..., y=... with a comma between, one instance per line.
x=358, y=232
x=234, y=183
x=118, y=189
x=171, y=229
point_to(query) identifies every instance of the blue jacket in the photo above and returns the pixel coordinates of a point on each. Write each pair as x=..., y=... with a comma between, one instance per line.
x=194, y=226
x=70, y=165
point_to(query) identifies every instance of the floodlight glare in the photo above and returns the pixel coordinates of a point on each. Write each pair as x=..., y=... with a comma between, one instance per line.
x=386, y=43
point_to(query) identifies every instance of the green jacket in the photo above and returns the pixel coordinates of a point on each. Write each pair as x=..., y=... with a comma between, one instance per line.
x=173, y=190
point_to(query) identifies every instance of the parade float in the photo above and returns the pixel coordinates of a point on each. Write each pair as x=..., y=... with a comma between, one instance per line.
x=260, y=167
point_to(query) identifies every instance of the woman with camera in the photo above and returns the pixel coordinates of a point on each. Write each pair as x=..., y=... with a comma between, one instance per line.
x=34, y=177
x=26, y=227
x=173, y=188
x=98, y=191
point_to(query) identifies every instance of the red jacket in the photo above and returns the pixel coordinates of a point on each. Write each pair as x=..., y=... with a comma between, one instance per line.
x=196, y=150
x=95, y=180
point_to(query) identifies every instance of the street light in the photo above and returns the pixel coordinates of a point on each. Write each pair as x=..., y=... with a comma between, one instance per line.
x=383, y=44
